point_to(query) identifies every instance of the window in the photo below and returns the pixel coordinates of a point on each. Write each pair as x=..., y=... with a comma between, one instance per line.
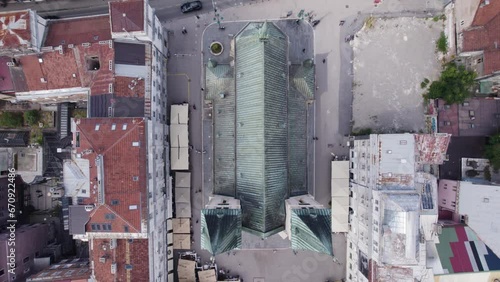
x=376, y=208
x=109, y=216
x=26, y=259
x=135, y=144
x=106, y=226
x=84, y=191
x=97, y=126
x=135, y=178
x=403, y=142
x=114, y=202
x=113, y=126
x=132, y=207
x=125, y=228
x=376, y=202
x=124, y=126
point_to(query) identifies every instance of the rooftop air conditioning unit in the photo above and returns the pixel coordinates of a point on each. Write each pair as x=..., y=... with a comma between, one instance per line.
x=113, y=268
x=102, y=259
x=89, y=208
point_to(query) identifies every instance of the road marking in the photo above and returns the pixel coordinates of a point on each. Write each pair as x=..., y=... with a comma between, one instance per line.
x=188, y=82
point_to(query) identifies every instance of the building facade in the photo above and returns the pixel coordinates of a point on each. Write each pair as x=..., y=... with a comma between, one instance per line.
x=393, y=206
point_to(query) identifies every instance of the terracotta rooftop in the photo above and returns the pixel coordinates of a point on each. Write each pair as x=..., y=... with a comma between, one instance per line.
x=81, y=66
x=127, y=15
x=484, y=35
x=15, y=30
x=78, y=31
x=128, y=253
x=129, y=87
x=124, y=202
x=485, y=13
x=50, y=70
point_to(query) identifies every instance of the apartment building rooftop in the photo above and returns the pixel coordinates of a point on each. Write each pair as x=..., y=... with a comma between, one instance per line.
x=483, y=35
x=76, y=67
x=479, y=203
x=15, y=29
x=116, y=150
x=78, y=31
x=120, y=259
x=127, y=16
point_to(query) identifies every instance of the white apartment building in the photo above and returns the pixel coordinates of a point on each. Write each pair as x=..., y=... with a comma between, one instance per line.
x=393, y=206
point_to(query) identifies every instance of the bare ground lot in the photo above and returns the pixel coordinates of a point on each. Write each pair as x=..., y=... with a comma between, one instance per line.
x=392, y=56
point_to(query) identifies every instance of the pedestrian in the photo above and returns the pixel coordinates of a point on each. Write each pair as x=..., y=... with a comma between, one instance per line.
x=197, y=17
x=194, y=107
x=202, y=89
x=324, y=61
x=197, y=221
x=304, y=50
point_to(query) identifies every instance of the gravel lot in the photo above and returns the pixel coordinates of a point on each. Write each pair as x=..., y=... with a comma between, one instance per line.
x=392, y=56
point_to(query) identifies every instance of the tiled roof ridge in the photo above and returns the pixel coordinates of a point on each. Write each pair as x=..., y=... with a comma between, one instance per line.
x=115, y=213
x=129, y=21
x=116, y=142
x=479, y=8
x=92, y=145
x=124, y=135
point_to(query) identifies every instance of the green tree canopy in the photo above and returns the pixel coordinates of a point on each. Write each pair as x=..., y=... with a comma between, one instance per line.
x=32, y=117
x=11, y=119
x=493, y=151
x=453, y=86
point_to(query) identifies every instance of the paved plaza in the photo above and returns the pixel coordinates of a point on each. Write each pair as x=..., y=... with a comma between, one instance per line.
x=392, y=56
x=333, y=100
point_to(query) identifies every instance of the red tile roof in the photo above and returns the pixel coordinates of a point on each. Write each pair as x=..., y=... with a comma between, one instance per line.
x=484, y=35
x=129, y=87
x=15, y=30
x=122, y=162
x=99, y=80
x=485, y=13
x=56, y=70
x=68, y=69
x=127, y=15
x=131, y=252
x=78, y=31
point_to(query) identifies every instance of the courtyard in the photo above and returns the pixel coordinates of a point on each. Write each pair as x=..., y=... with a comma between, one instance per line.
x=392, y=56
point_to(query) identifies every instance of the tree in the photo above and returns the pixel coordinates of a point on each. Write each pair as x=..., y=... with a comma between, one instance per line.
x=11, y=119
x=453, y=86
x=442, y=43
x=492, y=152
x=32, y=117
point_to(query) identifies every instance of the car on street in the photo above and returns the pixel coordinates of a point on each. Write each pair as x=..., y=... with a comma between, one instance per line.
x=191, y=6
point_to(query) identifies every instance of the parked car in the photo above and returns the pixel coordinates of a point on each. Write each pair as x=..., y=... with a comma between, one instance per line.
x=191, y=6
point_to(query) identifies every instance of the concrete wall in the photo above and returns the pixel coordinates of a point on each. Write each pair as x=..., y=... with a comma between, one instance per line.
x=447, y=194
x=29, y=242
